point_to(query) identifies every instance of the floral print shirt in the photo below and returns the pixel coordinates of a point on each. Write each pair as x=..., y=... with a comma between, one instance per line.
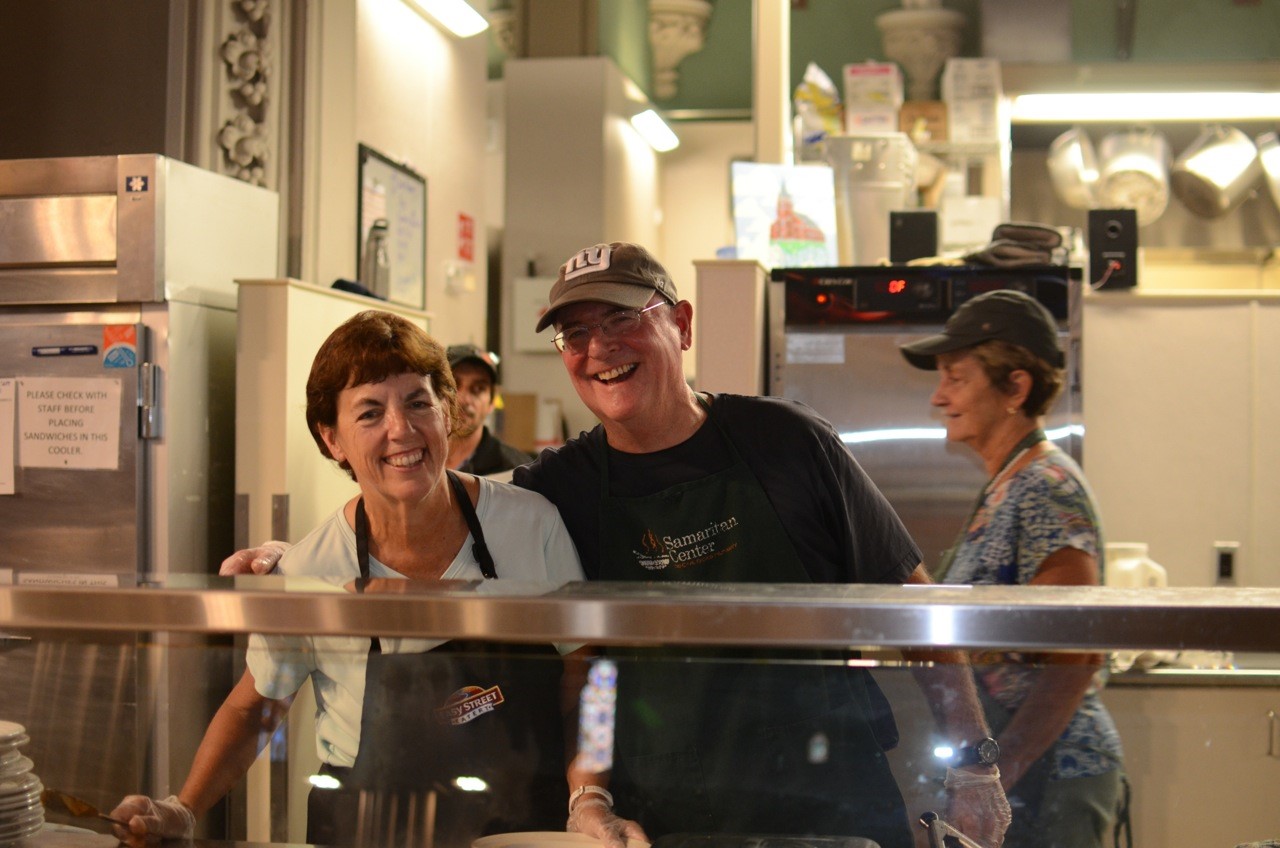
x=1021, y=519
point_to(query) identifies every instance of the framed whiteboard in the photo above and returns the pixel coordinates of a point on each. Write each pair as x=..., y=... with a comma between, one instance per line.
x=393, y=192
x=530, y=302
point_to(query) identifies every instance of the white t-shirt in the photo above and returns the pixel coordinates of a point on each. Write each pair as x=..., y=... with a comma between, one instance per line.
x=514, y=521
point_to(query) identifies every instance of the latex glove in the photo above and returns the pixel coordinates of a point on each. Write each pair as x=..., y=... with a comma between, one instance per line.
x=593, y=817
x=151, y=820
x=259, y=560
x=977, y=806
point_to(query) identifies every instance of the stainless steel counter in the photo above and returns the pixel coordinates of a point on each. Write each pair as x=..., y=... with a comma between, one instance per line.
x=1231, y=731
x=1040, y=618
x=1219, y=677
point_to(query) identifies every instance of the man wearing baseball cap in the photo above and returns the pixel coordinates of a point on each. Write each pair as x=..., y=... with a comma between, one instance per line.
x=472, y=448
x=675, y=485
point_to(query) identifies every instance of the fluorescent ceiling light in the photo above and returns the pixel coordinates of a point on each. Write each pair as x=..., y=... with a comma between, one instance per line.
x=655, y=131
x=457, y=16
x=1145, y=106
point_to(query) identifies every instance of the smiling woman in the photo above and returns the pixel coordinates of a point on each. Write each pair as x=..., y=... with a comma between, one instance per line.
x=381, y=403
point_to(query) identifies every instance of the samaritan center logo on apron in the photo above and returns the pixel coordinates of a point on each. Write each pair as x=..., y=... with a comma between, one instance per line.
x=469, y=703
x=690, y=549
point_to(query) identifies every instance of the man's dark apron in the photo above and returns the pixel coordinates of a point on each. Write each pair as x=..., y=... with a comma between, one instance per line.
x=465, y=709
x=718, y=741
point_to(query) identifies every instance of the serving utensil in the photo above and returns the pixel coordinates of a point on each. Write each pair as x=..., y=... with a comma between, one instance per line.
x=943, y=835
x=52, y=799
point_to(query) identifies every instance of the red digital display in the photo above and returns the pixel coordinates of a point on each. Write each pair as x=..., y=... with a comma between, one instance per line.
x=897, y=286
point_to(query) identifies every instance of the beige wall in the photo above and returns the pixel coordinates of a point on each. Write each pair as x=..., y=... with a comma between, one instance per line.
x=389, y=79
x=576, y=174
x=697, y=217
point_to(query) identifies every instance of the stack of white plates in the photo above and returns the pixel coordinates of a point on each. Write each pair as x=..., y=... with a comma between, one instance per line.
x=21, y=813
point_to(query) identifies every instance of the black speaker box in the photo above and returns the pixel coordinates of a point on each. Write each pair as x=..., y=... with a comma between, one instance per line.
x=912, y=235
x=1113, y=248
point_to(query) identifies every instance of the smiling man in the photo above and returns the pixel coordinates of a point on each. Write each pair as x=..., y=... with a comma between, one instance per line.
x=677, y=485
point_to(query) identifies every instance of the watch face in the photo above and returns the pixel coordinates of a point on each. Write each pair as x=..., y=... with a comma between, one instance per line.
x=988, y=751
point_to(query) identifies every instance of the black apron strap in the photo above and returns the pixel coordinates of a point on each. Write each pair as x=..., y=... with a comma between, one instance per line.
x=478, y=548
x=362, y=557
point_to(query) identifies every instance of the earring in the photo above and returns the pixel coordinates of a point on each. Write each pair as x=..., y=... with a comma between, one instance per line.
x=1011, y=409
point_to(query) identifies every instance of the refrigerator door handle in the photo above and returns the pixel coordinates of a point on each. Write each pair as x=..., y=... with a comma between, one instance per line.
x=149, y=401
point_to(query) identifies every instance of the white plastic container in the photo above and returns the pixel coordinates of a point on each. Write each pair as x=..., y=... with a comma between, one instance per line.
x=1128, y=566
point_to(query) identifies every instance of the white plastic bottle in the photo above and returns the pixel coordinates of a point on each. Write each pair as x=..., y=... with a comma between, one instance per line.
x=1128, y=566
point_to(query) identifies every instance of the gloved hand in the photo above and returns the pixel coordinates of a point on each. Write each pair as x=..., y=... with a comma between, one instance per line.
x=259, y=560
x=151, y=820
x=595, y=818
x=977, y=806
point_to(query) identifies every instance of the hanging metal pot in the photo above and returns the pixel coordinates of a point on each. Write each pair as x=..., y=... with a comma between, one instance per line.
x=1217, y=171
x=1269, y=154
x=1073, y=169
x=1134, y=173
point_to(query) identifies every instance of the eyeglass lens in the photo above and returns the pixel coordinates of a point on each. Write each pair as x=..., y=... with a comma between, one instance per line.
x=616, y=324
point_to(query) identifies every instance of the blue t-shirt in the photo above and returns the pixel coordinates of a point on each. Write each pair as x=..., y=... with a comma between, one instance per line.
x=1021, y=519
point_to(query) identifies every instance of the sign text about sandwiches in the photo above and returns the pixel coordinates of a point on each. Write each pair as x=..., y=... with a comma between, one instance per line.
x=69, y=422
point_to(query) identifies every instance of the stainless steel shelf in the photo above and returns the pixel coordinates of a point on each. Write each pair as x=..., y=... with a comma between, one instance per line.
x=862, y=616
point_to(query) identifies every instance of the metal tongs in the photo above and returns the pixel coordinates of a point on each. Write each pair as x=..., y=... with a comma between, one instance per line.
x=943, y=835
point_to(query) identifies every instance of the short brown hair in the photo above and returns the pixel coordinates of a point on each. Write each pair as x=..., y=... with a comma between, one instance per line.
x=1000, y=359
x=369, y=348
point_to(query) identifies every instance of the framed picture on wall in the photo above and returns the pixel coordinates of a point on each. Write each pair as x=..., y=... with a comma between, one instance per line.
x=391, y=237
x=530, y=301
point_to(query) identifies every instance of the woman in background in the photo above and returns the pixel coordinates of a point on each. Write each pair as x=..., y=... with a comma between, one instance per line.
x=1034, y=523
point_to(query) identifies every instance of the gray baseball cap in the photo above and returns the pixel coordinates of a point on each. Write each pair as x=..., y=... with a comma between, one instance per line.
x=1004, y=315
x=618, y=273
x=461, y=353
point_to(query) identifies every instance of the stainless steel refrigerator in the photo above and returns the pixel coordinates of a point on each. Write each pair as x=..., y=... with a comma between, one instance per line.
x=833, y=344
x=117, y=436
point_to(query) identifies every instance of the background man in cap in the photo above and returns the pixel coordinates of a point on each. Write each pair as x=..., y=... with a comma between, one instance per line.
x=472, y=448
x=684, y=486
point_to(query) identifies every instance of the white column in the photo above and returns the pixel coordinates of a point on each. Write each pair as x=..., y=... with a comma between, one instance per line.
x=771, y=85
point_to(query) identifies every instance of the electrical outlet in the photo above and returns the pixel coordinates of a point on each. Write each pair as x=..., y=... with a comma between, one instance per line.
x=1226, y=562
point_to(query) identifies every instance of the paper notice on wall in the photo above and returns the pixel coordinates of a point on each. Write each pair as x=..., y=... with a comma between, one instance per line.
x=69, y=422
x=7, y=423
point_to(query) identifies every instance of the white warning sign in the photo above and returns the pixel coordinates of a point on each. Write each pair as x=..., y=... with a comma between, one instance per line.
x=69, y=422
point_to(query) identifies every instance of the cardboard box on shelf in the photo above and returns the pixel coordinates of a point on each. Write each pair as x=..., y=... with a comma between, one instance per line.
x=872, y=96
x=971, y=89
x=923, y=120
x=519, y=421
x=966, y=223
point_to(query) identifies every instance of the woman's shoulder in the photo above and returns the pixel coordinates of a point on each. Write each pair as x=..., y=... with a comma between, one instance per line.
x=1053, y=472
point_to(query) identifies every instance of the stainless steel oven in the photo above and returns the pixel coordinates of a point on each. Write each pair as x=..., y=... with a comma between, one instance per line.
x=833, y=338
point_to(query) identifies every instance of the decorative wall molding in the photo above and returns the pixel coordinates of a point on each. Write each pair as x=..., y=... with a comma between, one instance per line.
x=677, y=29
x=248, y=114
x=502, y=29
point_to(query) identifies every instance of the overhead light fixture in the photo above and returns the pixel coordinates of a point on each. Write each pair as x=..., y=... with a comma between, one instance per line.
x=1129, y=107
x=655, y=131
x=457, y=16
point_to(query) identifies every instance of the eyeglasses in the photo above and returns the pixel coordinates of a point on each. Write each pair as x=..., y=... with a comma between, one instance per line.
x=576, y=339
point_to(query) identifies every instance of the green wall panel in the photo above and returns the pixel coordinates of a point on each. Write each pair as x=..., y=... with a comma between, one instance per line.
x=834, y=33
